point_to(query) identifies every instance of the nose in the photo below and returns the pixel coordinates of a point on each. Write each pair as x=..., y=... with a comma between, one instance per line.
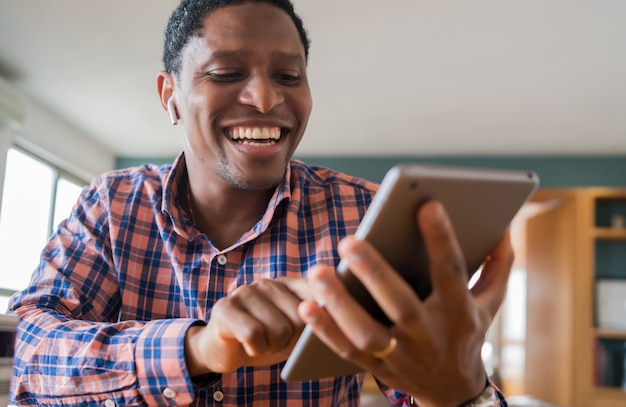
x=262, y=93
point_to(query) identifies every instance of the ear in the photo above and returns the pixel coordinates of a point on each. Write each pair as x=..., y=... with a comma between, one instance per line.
x=165, y=88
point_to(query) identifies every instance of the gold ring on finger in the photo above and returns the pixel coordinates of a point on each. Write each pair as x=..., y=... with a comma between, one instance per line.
x=393, y=342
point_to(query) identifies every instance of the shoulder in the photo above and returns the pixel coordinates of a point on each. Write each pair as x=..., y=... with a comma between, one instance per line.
x=148, y=178
x=142, y=173
x=312, y=176
x=316, y=189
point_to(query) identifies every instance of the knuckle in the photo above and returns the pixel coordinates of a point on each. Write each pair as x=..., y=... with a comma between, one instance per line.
x=452, y=265
x=472, y=327
x=282, y=332
x=264, y=284
x=406, y=316
x=252, y=333
x=223, y=306
x=348, y=352
x=378, y=271
x=367, y=344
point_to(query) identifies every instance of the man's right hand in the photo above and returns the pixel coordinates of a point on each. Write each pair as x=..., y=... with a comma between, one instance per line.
x=256, y=325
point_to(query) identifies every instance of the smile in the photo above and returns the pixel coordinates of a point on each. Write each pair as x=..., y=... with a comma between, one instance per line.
x=255, y=135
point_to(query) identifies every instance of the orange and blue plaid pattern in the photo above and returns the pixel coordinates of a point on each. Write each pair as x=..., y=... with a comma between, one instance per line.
x=121, y=280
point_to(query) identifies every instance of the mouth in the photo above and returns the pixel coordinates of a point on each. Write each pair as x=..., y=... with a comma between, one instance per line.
x=255, y=136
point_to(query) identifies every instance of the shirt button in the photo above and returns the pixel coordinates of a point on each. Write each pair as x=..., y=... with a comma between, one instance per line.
x=218, y=396
x=222, y=260
x=169, y=393
x=109, y=403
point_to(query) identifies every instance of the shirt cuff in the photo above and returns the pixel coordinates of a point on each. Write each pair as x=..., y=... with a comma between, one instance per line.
x=160, y=360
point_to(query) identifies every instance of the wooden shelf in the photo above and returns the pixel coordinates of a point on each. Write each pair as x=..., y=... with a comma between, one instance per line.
x=570, y=245
x=609, y=233
x=610, y=334
x=609, y=397
x=607, y=392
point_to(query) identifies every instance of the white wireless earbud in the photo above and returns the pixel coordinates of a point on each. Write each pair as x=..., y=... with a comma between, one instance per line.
x=171, y=110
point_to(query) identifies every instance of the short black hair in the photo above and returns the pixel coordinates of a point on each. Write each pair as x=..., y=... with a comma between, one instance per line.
x=187, y=19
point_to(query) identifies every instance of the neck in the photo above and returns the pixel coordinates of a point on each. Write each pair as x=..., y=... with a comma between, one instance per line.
x=225, y=215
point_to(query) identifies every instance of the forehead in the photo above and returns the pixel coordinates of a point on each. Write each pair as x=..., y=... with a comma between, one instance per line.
x=248, y=28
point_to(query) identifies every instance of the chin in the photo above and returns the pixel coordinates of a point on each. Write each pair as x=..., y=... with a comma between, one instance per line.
x=253, y=174
x=255, y=181
x=255, y=184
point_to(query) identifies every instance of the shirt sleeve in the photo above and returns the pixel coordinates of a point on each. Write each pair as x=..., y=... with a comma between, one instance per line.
x=71, y=348
x=67, y=362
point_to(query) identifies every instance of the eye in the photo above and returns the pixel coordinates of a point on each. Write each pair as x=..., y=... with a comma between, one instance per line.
x=225, y=76
x=287, y=78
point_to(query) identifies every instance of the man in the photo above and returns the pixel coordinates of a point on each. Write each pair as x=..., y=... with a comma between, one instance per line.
x=183, y=284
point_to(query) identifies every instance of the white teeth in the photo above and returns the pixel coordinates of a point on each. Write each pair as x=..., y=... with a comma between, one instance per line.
x=257, y=143
x=255, y=133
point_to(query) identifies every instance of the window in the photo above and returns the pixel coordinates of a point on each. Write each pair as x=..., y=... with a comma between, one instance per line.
x=35, y=198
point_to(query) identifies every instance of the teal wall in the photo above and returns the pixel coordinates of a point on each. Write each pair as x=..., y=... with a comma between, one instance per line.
x=554, y=171
x=125, y=162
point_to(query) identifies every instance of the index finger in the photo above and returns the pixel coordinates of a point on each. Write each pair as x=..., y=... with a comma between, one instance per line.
x=490, y=289
x=448, y=271
x=298, y=286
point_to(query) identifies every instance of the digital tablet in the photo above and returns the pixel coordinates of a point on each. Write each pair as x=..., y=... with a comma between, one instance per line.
x=481, y=204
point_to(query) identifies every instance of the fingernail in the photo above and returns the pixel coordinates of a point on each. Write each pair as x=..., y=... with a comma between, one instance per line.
x=310, y=318
x=308, y=314
x=434, y=213
x=352, y=253
x=319, y=285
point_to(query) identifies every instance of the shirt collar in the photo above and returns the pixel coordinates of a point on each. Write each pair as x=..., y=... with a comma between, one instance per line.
x=175, y=184
x=172, y=203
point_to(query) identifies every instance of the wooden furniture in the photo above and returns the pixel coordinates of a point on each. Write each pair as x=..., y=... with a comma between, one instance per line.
x=571, y=245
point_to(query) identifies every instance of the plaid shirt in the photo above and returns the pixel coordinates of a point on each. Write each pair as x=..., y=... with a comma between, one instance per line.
x=104, y=318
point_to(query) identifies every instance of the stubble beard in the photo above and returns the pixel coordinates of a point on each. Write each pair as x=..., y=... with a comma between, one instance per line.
x=225, y=171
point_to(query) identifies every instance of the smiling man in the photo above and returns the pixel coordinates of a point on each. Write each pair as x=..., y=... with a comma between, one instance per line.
x=189, y=284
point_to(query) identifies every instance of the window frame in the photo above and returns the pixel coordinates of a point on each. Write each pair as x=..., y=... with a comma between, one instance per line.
x=58, y=174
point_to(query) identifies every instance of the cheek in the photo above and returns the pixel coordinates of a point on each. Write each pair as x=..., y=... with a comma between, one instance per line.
x=205, y=107
x=304, y=105
x=203, y=113
x=210, y=101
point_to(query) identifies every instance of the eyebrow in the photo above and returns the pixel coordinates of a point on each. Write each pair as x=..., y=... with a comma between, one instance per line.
x=238, y=53
x=226, y=54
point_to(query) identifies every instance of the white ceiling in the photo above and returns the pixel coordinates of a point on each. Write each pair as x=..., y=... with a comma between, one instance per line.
x=401, y=77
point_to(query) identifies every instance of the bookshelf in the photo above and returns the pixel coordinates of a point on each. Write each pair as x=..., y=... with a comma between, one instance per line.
x=576, y=328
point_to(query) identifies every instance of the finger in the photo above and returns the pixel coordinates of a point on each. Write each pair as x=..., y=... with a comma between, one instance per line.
x=391, y=292
x=333, y=336
x=344, y=322
x=298, y=286
x=327, y=330
x=291, y=292
x=490, y=289
x=228, y=348
x=448, y=272
x=273, y=307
